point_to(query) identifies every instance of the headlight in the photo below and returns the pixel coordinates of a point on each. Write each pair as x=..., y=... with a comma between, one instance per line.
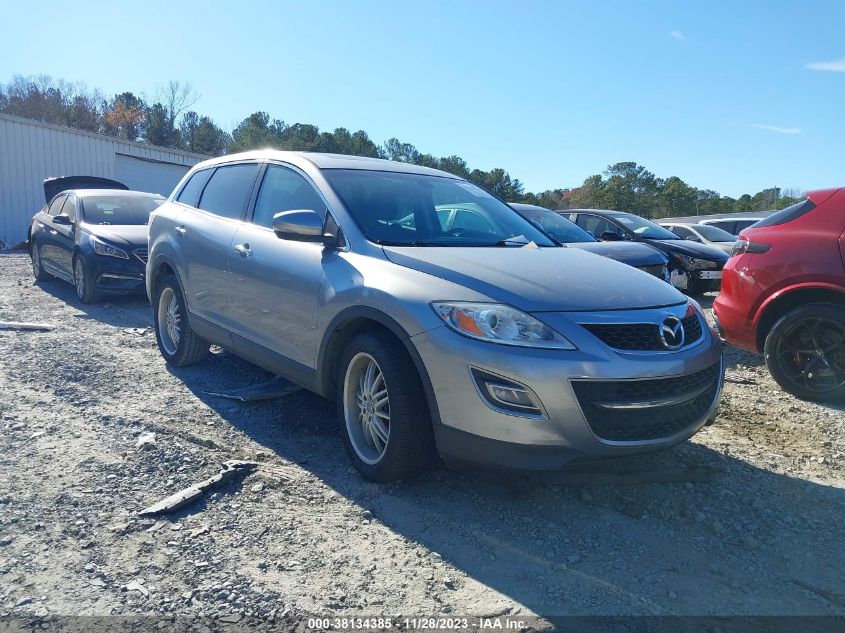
x=499, y=323
x=694, y=263
x=103, y=248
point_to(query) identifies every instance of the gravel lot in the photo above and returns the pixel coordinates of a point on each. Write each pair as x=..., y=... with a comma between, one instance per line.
x=747, y=518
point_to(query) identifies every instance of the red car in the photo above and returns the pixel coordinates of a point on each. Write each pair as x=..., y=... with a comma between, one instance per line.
x=783, y=294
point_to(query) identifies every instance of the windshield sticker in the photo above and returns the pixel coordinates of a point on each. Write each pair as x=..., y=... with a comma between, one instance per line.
x=625, y=220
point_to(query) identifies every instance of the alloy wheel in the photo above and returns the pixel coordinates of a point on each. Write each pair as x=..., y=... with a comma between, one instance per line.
x=169, y=320
x=79, y=278
x=36, y=261
x=811, y=354
x=366, y=408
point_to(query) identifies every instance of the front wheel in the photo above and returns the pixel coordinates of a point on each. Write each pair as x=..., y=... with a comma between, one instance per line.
x=37, y=267
x=382, y=411
x=82, y=281
x=805, y=352
x=177, y=341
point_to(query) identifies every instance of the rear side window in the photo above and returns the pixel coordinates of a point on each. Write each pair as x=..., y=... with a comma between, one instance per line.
x=56, y=205
x=284, y=190
x=788, y=214
x=228, y=190
x=190, y=193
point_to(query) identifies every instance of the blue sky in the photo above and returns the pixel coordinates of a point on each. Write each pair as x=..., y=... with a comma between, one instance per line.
x=733, y=96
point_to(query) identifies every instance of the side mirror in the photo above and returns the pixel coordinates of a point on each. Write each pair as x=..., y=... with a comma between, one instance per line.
x=692, y=238
x=301, y=225
x=62, y=220
x=609, y=236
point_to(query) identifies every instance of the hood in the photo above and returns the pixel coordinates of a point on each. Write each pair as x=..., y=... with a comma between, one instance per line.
x=52, y=186
x=120, y=234
x=631, y=253
x=541, y=279
x=725, y=247
x=690, y=249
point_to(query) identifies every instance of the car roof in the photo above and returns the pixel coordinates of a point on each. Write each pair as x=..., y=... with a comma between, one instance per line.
x=327, y=161
x=596, y=211
x=519, y=206
x=119, y=193
x=741, y=218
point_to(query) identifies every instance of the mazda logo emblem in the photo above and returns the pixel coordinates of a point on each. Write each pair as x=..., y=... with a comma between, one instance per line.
x=672, y=333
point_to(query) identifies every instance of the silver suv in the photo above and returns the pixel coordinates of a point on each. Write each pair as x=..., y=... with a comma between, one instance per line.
x=438, y=318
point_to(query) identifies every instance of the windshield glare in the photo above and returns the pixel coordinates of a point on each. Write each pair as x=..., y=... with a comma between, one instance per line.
x=418, y=210
x=714, y=233
x=644, y=228
x=559, y=228
x=121, y=210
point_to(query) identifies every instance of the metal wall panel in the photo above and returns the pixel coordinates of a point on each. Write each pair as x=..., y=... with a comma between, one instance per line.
x=31, y=151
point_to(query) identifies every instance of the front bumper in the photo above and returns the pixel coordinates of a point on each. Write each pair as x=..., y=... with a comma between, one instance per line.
x=114, y=275
x=471, y=431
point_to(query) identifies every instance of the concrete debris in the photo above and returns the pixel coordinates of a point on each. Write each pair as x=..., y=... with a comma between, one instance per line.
x=146, y=440
x=19, y=325
x=274, y=388
x=138, y=331
x=136, y=586
x=192, y=493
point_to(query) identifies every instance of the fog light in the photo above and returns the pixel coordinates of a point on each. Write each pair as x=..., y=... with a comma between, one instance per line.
x=510, y=395
x=506, y=395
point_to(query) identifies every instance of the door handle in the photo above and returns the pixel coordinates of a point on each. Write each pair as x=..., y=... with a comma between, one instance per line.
x=243, y=250
x=180, y=231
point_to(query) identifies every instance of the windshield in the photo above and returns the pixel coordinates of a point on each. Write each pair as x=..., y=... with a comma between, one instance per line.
x=558, y=227
x=714, y=233
x=119, y=209
x=644, y=228
x=417, y=210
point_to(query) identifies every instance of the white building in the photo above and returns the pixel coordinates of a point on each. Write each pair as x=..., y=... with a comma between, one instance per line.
x=31, y=151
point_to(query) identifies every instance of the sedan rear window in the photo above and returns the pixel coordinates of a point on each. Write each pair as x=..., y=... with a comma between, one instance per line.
x=123, y=210
x=788, y=214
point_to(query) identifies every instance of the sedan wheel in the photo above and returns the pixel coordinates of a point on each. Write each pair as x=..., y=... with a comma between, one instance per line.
x=79, y=278
x=367, y=408
x=37, y=267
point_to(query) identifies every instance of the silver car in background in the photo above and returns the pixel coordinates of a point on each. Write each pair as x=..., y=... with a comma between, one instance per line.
x=437, y=317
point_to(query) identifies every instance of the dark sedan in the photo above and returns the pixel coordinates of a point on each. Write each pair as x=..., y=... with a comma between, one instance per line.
x=634, y=254
x=693, y=268
x=94, y=238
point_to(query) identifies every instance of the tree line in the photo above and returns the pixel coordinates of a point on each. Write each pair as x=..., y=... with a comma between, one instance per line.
x=168, y=119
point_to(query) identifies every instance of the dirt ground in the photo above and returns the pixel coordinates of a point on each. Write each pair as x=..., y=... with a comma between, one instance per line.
x=745, y=519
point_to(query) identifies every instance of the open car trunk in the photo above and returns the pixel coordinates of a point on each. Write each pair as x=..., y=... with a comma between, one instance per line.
x=52, y=186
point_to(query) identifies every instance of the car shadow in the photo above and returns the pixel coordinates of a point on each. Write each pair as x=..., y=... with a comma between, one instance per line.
x=116, y=310
x=687, y=531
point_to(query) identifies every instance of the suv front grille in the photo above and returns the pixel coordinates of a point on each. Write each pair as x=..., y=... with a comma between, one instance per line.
x=141, y=254
x=641, y=337
x=646, y=410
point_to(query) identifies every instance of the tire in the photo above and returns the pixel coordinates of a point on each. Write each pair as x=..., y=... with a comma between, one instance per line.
x=37, y=268
x=82, y=282
x=406, y=449
x=805, y=352
x=177, y=342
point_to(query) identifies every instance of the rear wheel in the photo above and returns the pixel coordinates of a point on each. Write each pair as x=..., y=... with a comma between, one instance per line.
x=805, y=352
x=37, y=268
x=382, y=411
x=82, y=281
x=177, y=341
